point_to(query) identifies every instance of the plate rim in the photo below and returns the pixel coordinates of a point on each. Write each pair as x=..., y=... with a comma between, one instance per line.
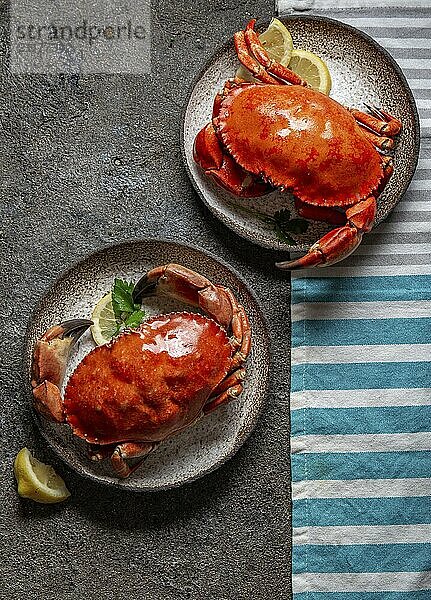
x=245, y=432
x=225, y=46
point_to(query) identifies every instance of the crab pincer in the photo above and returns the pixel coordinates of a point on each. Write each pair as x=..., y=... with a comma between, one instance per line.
x=50, y=358
x=176, y=281
x=340, y=242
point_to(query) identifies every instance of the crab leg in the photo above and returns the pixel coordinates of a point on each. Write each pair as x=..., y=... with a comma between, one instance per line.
x=97, y=452
x=388, y=169
x=255, y=47
x=231, y=381
x=242, y=353
x=249, y=62
x=241, y=332
x=223, y=398
x=128, y=450
x=381, y=122
x=231, y=387
x=384, y=143
x=320, y=213
x=50, y=358
x=338, y=243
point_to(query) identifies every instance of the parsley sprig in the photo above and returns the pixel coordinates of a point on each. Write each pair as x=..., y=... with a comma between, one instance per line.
x=127, y=313
x=281, y=222
x=284, y=226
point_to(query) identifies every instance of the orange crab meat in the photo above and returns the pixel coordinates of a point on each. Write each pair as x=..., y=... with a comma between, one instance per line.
x=150, y=382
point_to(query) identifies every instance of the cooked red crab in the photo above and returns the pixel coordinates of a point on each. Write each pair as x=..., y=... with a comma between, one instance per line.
x=279, y=133
x=125, y=397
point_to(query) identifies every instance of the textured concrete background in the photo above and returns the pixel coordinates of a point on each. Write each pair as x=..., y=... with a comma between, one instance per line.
x=90, y=162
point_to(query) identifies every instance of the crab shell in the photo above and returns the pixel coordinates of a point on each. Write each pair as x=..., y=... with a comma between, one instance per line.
x=299, y=139
x=149, y=383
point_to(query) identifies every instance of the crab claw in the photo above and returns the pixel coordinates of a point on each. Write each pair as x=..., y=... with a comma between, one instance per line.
x=208, y=153
x=338, y=243
x=50, y=358
x=180, y=283
x=331, y=248
x=218, y=302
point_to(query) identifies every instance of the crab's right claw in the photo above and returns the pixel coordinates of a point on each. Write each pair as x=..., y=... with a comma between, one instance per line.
x=172, y=280
x=50, y=358
x=331, y=248
x=340, y=242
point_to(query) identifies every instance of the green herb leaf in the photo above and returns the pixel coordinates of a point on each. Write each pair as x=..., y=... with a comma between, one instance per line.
x=135, y=319
x=296, y=226
x=120, y=327
x=282, y=217
x=128, y=314
x=283, y=225
x=280, y=221
x=283, y=236
x=122, y=301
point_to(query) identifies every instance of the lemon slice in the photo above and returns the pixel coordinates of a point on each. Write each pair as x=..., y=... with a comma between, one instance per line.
x=104, y=324
x=311, y=68
x=277, y=42
x=38, y=481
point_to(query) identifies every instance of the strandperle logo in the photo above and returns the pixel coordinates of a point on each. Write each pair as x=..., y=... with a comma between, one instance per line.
x=83, y=32
x=63, y=37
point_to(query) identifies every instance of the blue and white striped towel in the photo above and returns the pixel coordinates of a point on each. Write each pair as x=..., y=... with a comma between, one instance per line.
x=361, y=373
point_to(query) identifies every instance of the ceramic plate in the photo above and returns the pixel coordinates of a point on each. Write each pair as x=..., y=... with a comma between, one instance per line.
x=212, y=440
x=361, y=71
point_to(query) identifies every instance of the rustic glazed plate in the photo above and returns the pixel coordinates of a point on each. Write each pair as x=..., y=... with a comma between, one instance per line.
x=361, y=71
x=210, y=442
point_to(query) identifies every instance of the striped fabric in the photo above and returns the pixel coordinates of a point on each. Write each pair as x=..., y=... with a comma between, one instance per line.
x=361, y=374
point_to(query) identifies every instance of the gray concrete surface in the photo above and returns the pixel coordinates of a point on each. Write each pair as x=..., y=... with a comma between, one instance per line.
x=90, y=162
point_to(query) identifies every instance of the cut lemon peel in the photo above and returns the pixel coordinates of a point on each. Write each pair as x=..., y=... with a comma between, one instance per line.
x=104, y=323
x=313, y=69
x=278, y=42
x=38, y=481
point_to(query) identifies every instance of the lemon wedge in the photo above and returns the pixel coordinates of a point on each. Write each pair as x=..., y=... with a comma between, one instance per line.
x=277, y=42
x=104, y=323
x=311, y=68
x=38, y=481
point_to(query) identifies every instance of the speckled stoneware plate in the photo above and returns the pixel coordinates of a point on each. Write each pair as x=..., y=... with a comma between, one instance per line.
x=210, y=442
x=361, y=71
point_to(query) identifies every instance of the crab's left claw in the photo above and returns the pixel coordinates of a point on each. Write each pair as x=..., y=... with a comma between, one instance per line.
x=50, y=358
x=208, y=153
x=338, y=243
